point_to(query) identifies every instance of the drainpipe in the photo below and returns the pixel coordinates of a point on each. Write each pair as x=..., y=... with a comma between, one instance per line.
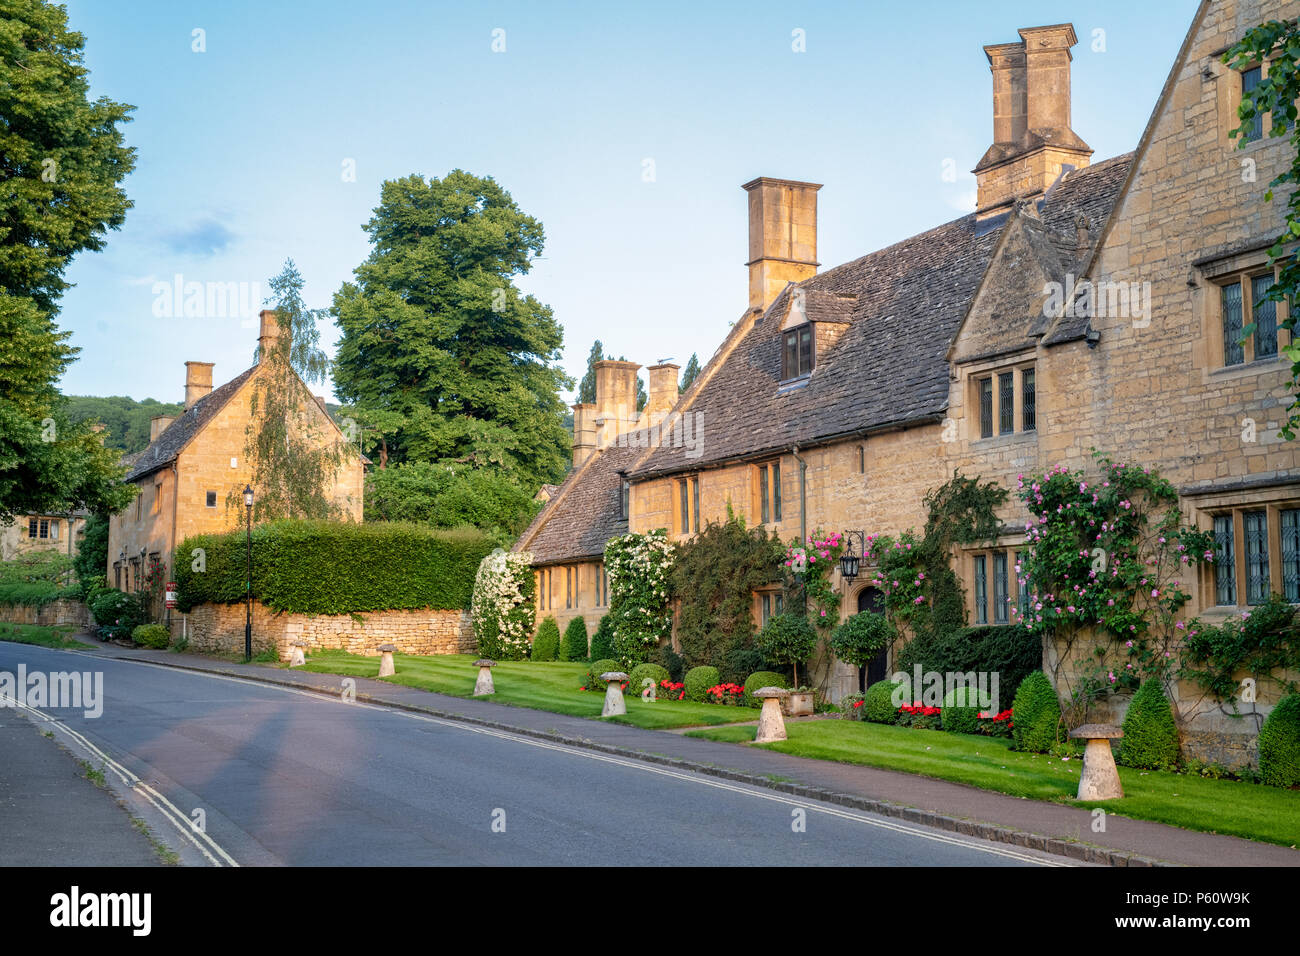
x=803, y=496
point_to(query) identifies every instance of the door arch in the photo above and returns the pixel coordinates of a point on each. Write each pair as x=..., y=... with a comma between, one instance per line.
x=871, y=599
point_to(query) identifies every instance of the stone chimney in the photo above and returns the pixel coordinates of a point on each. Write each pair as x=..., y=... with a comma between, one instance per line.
x=1033, y=144
x=584, y=432
x=782, y=236
x=198, y=382
x=269, y=333
x=615, y=399
x=662, y=395
x=158, y=424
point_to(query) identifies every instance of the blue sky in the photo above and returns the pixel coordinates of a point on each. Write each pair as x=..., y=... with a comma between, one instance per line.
x=241, y=148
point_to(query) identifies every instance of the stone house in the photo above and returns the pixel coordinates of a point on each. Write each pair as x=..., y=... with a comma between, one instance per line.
x=840, y=397
x=43, y=532
x=194, y=462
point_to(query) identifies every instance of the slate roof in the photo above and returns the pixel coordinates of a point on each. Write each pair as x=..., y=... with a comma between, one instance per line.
x=163, y=450
x=889, y=368
x=585, y=512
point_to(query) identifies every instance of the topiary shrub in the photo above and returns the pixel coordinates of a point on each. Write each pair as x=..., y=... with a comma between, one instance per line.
x=547, y=642
x=878, y=704
x=1150, y=738
x=574, y=645
x=673, y=662
x=861, y=637
x=602, y=642
x=787, y=639
x=1279, y=744
x=641, y=673
x=592, y=679
x=155, y=636
x=1036, y=715
x=698, y=680
x=961, y=710
x=759, y=680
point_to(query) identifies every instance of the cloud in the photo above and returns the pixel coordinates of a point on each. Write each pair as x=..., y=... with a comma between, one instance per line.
x=204, y=238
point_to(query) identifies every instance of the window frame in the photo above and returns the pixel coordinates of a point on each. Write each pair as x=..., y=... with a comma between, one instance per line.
x=802, y=335
x=991, y=412
x=1244, y=278
x=1251, y=563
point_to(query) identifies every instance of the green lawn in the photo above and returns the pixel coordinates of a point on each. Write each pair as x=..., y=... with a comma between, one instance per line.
x=57, y=636
x=550, y=686
x=1195, y=803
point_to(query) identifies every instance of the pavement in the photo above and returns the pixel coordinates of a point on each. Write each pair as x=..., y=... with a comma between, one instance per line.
x=956, y=808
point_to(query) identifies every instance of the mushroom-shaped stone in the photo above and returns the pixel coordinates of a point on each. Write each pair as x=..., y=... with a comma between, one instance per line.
x=614, y=703
x=771, y=724
x=1100, y=779
x=386, y=668
x=484, y=683
x=297, y=656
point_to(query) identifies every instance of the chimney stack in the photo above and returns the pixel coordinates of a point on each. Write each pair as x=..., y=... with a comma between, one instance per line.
x=584, y=432
x=198, y=382
x=157, y=425
x=1033, y=144
x=662, y=395
x=269, y=333
x=615, y=399
x=782, y=236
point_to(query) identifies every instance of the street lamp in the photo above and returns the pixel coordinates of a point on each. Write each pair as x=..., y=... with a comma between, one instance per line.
x=849, y=561
x=248, y=581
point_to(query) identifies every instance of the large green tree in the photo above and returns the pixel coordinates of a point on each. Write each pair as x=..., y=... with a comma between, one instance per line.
x=691, y=372
x=587, y=387
x=62, y=160
x=438, y=340
x=126, y=421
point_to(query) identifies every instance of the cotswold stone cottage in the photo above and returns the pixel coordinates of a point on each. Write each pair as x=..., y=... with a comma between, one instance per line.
x=840, y=397
x=195, y=460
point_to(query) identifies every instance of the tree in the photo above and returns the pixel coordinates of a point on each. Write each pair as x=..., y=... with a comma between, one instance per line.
x=691, y=372
x=1276, y=43
x=435, y=331
x=447, y=496
x=126, y=422
x=92, y=555
x=587, y=387
x=292, y=450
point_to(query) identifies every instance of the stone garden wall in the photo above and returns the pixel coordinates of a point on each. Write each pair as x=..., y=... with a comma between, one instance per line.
x=56, y=612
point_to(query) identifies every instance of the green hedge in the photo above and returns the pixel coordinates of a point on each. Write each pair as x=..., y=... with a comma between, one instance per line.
x=1036, y=715
x=592, y=679
x=636, y=679
x=38, y=578
x=1279, y=744
x=760, y=679
x=574, y=645
x=1008, y=650
x=327, y=567
x=547, y=642
x=878, y=704
x=698, y=680
x=602, y=642
x=960, y=713
x=1150, y=738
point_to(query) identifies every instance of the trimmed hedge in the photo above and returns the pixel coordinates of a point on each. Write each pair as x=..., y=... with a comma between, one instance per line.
x=155, y=636
x=1279, y=744
x=547, y=642
x=957, y=714
x=1008, y=650
x=878, y=704
x=759, y=680
x=574, y=645
x=602, y=642
x=592, y=679
x=38, y=578
x=1036, y=715
x=331, y=567
x=1150, y=738
x=636, y=679
x=698, y=680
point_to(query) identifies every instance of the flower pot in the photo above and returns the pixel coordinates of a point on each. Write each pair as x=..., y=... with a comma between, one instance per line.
x=798, y=704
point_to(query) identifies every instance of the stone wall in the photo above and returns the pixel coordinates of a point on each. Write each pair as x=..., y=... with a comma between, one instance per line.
x=219, y=628
x=56, y=612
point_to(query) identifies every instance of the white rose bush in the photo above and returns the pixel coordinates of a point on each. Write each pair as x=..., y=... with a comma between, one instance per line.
x=502, y=605
x=639, y=567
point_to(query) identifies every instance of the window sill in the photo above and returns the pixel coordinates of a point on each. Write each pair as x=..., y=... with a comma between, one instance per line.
x=1009, y=438
x=791, y=384
x=1253, y=367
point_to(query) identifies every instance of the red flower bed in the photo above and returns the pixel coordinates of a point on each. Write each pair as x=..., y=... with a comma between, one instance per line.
x=724, y=694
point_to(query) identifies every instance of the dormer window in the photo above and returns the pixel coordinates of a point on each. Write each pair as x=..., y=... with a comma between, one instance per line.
x=797, y=353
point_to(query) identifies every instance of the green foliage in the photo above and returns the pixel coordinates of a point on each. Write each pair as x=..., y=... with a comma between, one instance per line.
x=861, y=637
x=808, y=568
x=878, y=703
x=449, y=496
x=1279, y=744
x=1150, y=738
x=602, y=642
x=321, y=567
x=714, y=578
x=641, y=673
x=672, y=662
x=587, y=387
x=691, y=372
x=117, y=613
x=1262, y=645
x=154, y=636
x=740, y=663
x=961, y=710
x=91, y=559
x=126, y=422
x=1011, y=651
x=1036, y=715
x=37, y=578
x=438, y=340
x=1276, y=42
x=760, y=679
x=547, y=642
x=698, y=680
x=788, y=639
x=502, y=605
x=592, y=679
x=573, y=647
x=640, y=569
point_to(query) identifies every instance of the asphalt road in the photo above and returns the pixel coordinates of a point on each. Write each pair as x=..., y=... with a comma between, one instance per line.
x=284, y=777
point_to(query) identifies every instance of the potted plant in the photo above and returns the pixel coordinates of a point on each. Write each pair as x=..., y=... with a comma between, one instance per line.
x=790, y=639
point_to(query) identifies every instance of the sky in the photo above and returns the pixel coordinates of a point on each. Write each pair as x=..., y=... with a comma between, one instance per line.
x=626, y=129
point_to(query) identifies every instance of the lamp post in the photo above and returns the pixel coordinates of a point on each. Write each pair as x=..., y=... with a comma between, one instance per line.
x=248, y=580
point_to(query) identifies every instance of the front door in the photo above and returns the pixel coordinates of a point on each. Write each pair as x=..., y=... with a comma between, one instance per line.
x=870, y=599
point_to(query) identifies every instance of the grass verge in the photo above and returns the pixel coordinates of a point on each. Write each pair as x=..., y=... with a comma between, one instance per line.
x=58, y=636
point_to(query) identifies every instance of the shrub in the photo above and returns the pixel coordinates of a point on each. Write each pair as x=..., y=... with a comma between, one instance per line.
x=961, y=710
x=117, y=613
x=740, y=662
x=155, y=636
x=879, y=702
x=1009, y=650
x=38, y=578
x=851, y=706
x=592, y=679
x=639, y=566
x=759, y=680
x=641, y=673
x=1279, y=744
x=861, y=637
x=725, y=693
x=787, y=639
x=547, y=642
x=698, y=680
x=602, y=642
x=673, y=662
x=1150, y=738
x=502, y=605
x=1036, y=715
x=335, y=567
x=574, y=645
